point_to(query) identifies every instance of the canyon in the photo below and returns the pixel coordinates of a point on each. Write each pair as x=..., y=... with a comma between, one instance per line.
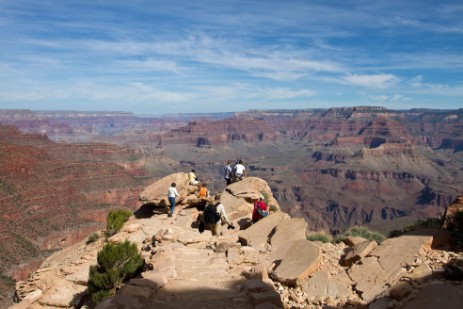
x=61, y=172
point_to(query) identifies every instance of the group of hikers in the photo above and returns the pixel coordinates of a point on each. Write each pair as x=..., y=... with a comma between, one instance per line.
x=214, y=213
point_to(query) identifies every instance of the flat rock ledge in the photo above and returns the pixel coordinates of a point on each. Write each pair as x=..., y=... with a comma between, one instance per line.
x=266, y=265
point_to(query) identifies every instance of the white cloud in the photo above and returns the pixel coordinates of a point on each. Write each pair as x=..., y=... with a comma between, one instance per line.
x=421, y=87
x=389, y=98
x=373, y=81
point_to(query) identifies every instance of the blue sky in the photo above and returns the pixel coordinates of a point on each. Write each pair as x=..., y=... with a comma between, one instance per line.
x=158, y=57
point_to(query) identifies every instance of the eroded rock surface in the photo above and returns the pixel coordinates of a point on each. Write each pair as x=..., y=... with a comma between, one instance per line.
x=267, y=265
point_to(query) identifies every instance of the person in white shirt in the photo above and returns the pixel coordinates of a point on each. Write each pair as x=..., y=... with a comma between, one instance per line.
x=239, y=171
x=171, y=194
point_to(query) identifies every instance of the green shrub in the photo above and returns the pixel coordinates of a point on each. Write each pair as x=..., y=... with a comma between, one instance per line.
x=320, y=236
x=115, y=221
x=271, y=207
x=92, y=238
x=455, y=225
x=419, y=224
x=116, y=262
x=361, y=231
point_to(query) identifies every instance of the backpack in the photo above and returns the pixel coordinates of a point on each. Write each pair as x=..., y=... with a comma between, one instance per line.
x=210, y=215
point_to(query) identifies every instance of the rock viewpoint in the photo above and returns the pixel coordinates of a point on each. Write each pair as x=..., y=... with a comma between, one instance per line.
x=266, y=265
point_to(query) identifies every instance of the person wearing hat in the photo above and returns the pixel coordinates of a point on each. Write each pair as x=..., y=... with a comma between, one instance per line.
x=260, y=210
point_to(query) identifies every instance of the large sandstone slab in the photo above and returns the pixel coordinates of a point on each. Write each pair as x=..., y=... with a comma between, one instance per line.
x=235, y=207
x=322, y=285
x=64, y=294
x=385, y=264
x=302, y=259
x=286, y=232
x=250, y=189
x=81, y=275
x=369, y=279
x=156, y=193
x=257, y=235
x=239, y=197
x=397, y=252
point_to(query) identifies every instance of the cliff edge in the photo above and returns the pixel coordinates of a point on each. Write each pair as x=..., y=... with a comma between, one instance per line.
x=270, y=264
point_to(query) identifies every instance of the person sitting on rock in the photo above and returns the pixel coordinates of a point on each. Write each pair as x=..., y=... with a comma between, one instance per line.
x=193, y=180
x=239, y=171
x=171, y=194
x=260, y=210
x=203, y=192
x=213, y=214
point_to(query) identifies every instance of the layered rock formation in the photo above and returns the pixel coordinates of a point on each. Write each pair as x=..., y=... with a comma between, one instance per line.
x=335, y=168
x=406, y=163
x=53, y=195
x=267, y=265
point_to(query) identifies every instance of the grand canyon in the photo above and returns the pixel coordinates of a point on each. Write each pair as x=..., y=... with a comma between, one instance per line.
x=62, y=172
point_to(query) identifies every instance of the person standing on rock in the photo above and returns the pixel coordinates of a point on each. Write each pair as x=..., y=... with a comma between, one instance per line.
x=239, y=171
x=260, y=210
x=213, y=214
x=171, y=194
x=228, y=173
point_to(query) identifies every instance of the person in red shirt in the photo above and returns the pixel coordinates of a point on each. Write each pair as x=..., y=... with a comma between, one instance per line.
x=260, y=210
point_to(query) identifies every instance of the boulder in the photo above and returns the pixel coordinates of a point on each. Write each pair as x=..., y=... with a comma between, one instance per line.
x=301, y=260
x=257, y=235
x=156, y=193
x=236, y=207
x=451, y=210
x=251, y=189
x=359, y=251
x=239, y=197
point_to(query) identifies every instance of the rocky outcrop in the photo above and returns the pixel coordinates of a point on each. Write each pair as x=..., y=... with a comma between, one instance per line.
x=452, y=210
x=358, y=142
x=267, y=265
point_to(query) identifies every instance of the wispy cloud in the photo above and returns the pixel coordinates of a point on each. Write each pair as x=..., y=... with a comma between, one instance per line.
x=238, y=53
x=374, y=81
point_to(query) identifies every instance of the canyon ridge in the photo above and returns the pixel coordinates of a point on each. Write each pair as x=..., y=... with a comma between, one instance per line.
x=62, y=172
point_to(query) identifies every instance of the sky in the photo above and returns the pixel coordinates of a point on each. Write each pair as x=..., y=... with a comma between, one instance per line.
x=155, y=57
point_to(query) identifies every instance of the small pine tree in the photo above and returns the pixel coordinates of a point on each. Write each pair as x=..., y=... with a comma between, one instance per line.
x=116, y=263
x=115, y=221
